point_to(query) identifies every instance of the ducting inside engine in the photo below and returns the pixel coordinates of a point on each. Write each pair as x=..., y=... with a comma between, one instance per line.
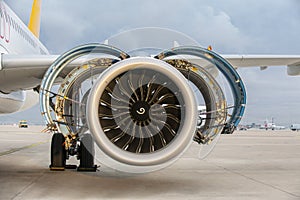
x=72, y=95
x=213, y=117
x=235, y=83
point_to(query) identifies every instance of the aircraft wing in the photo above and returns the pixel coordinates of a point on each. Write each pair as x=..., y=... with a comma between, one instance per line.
x=22, y=72
x=291, y=61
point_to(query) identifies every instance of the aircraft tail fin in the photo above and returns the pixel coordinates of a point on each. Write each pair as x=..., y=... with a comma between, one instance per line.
x=35, y=18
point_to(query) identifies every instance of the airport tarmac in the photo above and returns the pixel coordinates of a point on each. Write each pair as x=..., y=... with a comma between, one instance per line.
x=253, y=164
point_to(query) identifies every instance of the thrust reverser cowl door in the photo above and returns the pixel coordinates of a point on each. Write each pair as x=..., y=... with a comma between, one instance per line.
x=216, y=107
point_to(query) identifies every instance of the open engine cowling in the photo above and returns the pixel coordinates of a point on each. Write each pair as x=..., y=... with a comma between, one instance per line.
x=143, y=112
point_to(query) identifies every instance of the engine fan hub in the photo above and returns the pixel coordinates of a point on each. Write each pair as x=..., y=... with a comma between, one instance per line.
x=139, y=112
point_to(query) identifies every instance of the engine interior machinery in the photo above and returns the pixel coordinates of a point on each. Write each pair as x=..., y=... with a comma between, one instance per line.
x=141, y=111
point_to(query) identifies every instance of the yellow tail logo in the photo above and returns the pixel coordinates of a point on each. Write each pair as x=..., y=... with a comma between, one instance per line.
x=35, y=18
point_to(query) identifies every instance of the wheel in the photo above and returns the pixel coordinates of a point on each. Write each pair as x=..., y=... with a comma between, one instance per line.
x=58, y=152
x=87, y=153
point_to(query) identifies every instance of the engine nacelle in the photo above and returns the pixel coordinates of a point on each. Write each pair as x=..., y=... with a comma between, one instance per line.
x=142, y=112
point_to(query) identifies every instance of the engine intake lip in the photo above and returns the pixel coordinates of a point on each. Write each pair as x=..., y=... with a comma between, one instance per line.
x=188, y=118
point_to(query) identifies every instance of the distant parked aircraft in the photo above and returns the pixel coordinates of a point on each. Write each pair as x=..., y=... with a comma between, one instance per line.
x=271, y=125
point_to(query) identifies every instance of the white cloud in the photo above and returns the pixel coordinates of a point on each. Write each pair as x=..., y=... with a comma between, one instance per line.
x=232, y=26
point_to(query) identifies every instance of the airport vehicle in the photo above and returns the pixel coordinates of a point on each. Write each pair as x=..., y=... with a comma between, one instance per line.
x=295, y=127
x=139, y=104
x=23, y=124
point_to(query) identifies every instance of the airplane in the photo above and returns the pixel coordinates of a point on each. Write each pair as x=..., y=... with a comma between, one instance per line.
x=141, y=108
x=271, y=125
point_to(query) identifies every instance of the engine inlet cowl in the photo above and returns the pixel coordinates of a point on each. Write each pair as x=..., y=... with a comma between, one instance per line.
x=142, y=113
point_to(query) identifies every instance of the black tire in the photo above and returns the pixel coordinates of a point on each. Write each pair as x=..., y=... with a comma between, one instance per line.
x=58, y=152
x=87, y=153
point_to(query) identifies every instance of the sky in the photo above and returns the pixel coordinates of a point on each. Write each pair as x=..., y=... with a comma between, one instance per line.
x=231, y=27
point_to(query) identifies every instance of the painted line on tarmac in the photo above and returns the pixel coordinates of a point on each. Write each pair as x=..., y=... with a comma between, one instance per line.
x=13, y=150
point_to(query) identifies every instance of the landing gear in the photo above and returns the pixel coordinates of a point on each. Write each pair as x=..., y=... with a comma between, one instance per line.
x=58, y=152
x=85, y=152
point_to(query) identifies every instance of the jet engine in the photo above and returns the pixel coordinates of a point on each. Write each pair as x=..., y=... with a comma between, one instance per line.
x=143, y=112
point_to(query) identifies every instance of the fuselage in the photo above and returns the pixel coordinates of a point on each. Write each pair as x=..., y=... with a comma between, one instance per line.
x=16, y=38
